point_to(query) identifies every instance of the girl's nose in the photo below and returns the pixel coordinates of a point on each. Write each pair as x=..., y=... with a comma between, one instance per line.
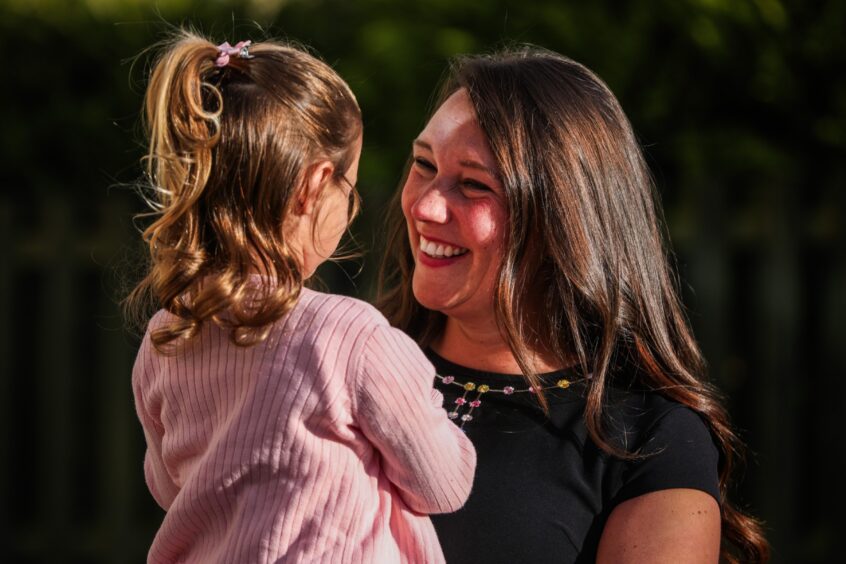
x=431, y=206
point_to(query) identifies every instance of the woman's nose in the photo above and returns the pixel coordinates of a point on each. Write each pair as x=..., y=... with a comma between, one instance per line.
x=431, y=206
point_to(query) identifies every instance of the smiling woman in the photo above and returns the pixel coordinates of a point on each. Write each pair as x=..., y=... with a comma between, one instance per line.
x=526, y=257
x=454, y=207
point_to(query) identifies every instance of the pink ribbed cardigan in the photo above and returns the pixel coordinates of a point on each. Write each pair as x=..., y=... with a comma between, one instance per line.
x=324, y=443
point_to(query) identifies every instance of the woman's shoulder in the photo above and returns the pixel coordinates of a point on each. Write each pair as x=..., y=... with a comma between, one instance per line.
x=672, y=445
x=634, y=416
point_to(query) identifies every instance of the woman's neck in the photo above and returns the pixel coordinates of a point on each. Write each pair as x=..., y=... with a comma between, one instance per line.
x=482, y=347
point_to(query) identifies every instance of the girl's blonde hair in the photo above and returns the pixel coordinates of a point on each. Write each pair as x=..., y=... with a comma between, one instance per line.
x=228, y=151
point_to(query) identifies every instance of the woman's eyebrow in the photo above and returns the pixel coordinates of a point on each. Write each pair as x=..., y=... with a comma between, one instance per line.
x=466, y=163
x=423, y=144
x=479, y=166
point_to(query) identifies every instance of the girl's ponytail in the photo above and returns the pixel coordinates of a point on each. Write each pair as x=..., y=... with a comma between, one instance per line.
x=182, y=121
x=181, y=124
x=229, y=138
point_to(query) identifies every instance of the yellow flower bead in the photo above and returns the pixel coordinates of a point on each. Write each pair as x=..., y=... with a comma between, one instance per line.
x=484, y=388
x=563, y=383
x=469, y=386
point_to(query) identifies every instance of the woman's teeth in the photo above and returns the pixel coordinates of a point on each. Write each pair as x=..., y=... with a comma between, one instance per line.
x=440, y=250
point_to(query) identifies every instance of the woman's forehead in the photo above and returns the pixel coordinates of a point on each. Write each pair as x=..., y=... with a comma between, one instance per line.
x=455, y=131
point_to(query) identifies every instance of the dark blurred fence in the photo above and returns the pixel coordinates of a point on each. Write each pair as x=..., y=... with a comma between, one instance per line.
x=69, y=438
x=741, y=108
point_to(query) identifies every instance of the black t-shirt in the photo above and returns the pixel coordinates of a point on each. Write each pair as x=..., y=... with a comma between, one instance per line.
x=543, y=490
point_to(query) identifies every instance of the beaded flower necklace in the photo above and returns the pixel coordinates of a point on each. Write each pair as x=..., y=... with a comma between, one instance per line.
x=483, y=389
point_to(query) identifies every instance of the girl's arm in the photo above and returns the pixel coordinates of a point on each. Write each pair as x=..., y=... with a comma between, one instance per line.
x=155, y=473
x=426, y=457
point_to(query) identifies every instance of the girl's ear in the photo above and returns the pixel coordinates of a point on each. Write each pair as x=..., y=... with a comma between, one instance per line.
x=316, y=178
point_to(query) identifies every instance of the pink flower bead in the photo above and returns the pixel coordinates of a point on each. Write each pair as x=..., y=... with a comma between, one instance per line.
x=475, y=403
x=532, y=389
x=447, y=379
x=460, y=401
x=508, y=390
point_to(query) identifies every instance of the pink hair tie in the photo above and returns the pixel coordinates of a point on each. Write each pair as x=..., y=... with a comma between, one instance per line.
x=225, y=50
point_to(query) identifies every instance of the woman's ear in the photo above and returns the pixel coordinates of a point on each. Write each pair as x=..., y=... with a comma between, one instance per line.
x=316, y=178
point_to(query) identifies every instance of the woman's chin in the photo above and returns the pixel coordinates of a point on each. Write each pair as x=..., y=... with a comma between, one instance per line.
x=431, y=303
x=431, y=297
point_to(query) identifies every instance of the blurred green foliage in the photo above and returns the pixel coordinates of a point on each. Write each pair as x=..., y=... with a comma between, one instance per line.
x=741, y=109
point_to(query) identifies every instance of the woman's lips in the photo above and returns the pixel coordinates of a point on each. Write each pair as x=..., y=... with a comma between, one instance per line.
x=423, y=258
x=435, y=253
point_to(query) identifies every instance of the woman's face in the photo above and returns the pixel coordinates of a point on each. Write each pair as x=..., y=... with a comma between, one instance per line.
x=454, y=205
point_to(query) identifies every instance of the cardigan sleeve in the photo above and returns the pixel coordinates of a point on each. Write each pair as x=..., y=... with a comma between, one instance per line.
x=158, y=479
x=427, y=458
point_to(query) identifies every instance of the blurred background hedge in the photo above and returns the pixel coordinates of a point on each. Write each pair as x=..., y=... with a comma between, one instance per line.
x=741, y=109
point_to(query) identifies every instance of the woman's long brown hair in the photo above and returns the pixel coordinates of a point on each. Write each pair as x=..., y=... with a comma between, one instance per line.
x=228, y=147
x=585, y=275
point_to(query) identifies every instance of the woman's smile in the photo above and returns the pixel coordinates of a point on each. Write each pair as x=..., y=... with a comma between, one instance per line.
x=436, y=253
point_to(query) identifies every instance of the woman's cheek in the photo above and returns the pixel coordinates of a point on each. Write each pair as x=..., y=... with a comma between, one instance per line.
x=406, y=200
x=486, y=224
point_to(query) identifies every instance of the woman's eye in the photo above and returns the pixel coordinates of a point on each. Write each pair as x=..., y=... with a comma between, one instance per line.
x=476, y=185
x=423, y=163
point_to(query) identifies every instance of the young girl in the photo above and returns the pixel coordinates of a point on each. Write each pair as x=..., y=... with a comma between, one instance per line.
x=282, y=424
